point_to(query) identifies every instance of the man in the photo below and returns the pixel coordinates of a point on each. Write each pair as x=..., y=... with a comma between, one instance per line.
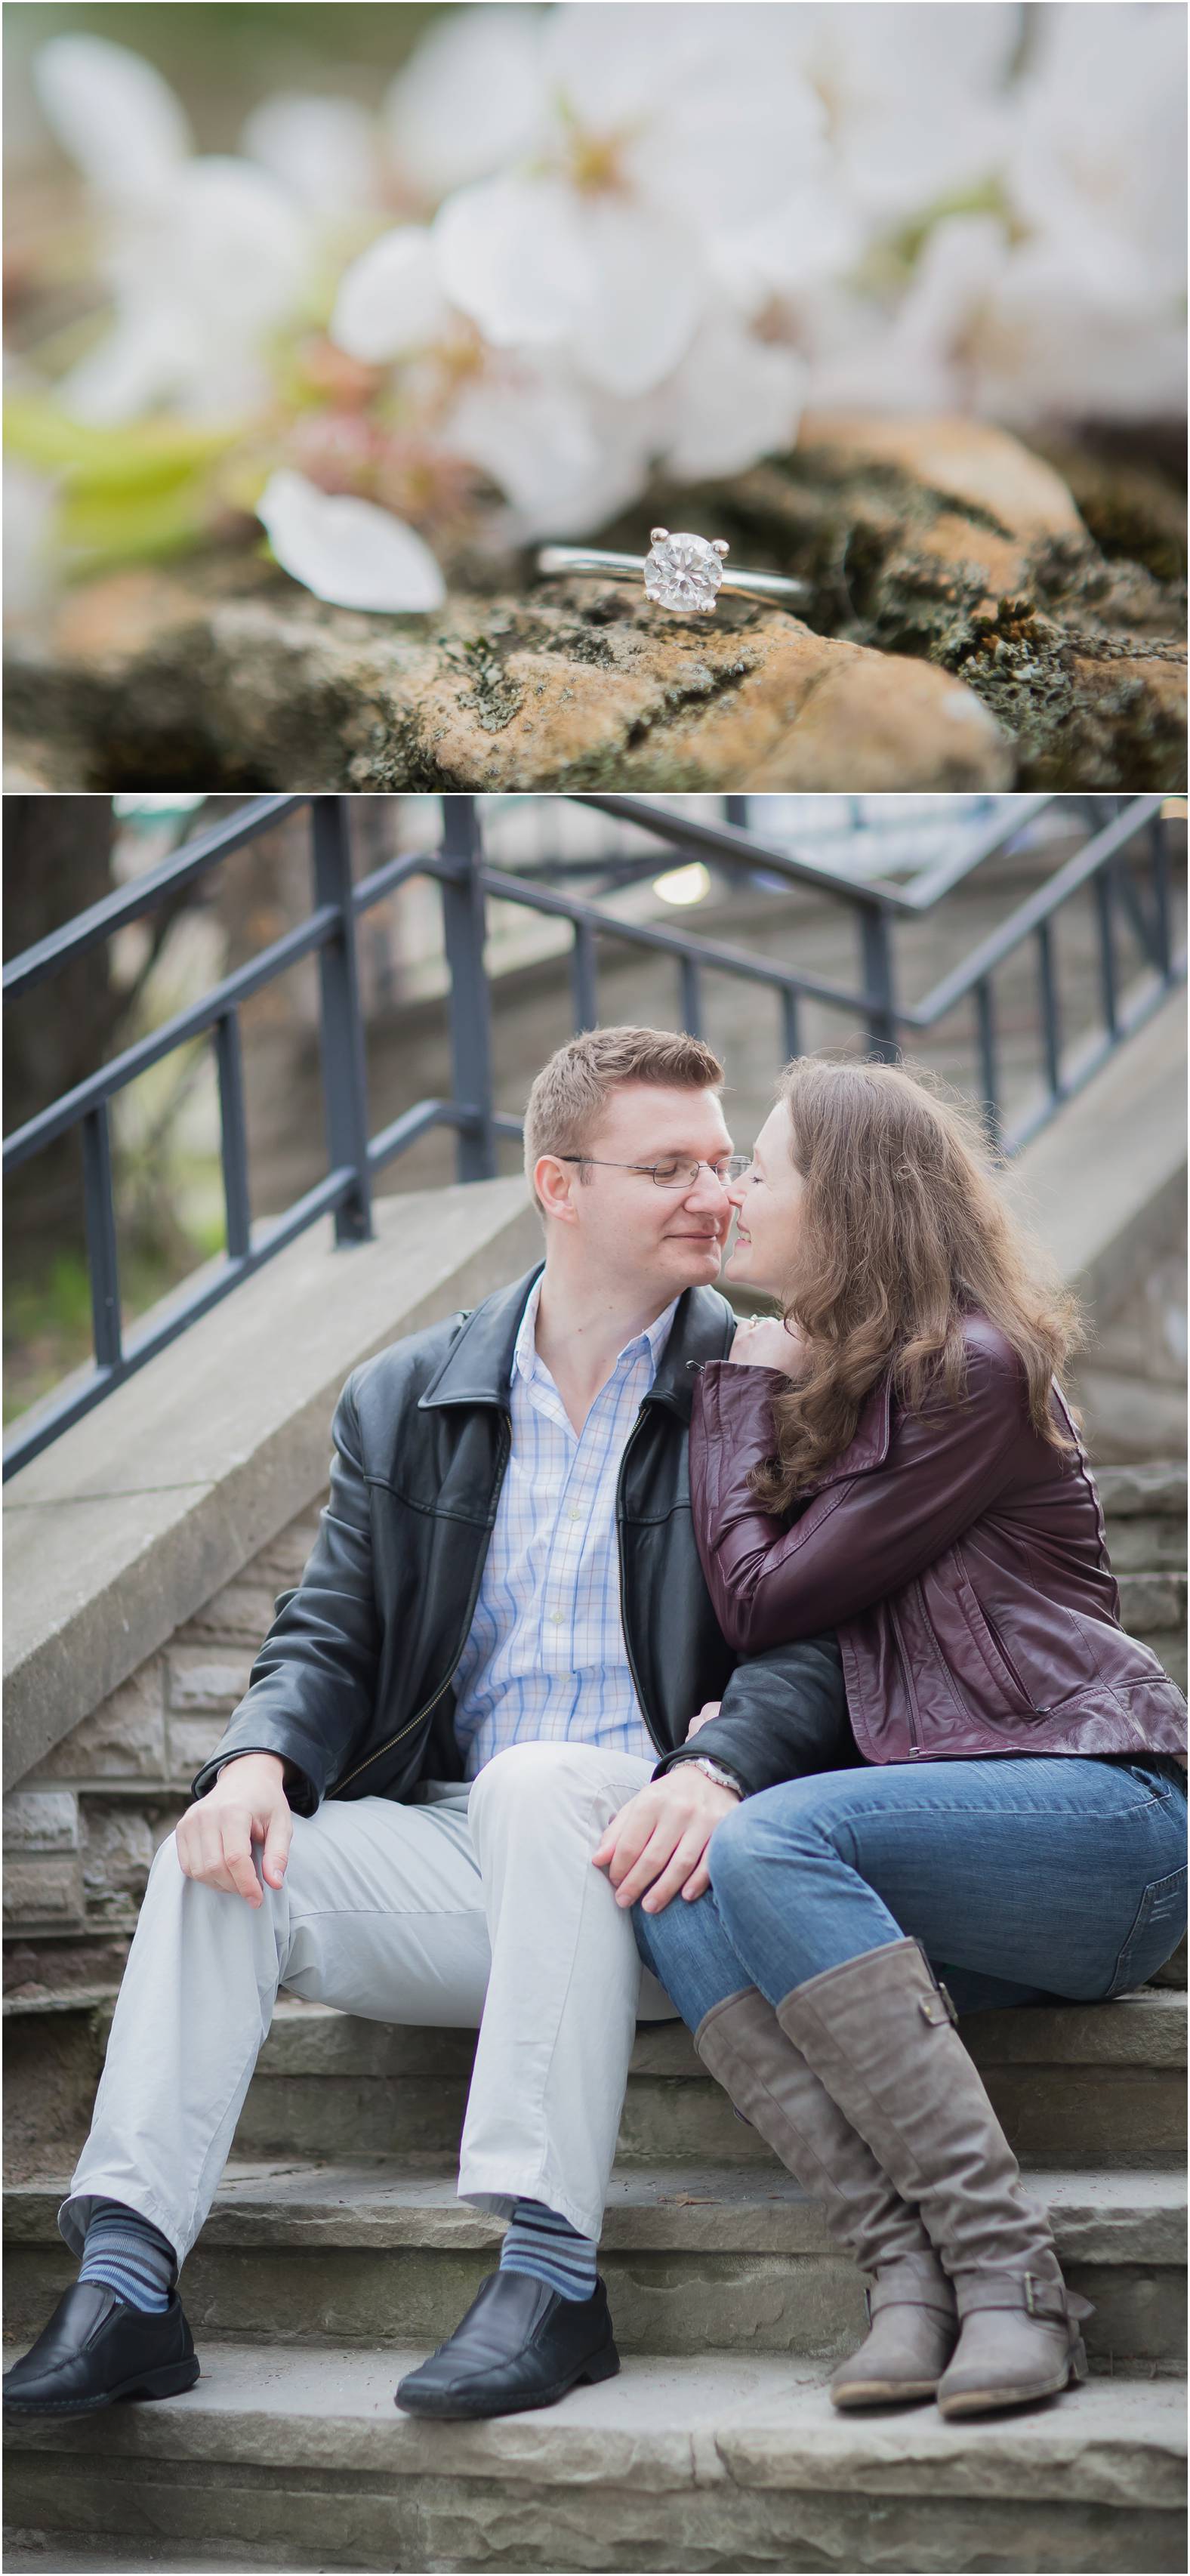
x=472, y=1712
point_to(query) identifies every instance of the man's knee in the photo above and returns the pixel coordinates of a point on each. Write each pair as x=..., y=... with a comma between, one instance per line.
x=530, y=1780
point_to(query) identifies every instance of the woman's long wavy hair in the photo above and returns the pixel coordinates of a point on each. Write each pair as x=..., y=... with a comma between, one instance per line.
x=904, y=1228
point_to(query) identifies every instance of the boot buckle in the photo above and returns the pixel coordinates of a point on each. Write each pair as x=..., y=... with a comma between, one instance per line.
x=937, y=2008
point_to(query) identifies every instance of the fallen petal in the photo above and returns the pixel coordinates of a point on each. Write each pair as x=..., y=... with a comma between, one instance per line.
x=346, y=551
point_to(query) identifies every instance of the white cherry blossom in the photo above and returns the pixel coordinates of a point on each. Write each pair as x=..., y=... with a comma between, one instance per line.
x=115, y=116
x=202, y=257
x=600, y=244
x=325, y=151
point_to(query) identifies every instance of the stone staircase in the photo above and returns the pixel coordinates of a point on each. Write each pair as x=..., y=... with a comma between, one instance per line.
x=337, y=2254
x=337, y=2251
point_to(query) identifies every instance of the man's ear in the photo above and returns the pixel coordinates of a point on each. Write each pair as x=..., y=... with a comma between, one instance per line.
x=554, y=1182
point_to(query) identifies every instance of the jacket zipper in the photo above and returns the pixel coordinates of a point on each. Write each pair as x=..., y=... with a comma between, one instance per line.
x=907, y=1686
x=635, y=1677
x=431, y=1704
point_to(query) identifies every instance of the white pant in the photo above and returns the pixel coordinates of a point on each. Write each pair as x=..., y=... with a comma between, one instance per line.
x=476, y=1906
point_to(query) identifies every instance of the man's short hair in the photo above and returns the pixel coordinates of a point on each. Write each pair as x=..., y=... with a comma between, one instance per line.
x=572, y=1091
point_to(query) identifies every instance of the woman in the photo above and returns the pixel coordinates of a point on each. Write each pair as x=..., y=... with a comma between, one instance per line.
x=895, y=1458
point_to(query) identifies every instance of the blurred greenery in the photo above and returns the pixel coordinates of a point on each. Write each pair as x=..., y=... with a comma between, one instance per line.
x=47, y=1320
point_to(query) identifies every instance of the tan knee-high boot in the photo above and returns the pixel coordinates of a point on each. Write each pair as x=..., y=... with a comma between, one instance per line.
x=911, y=2309
x=878, y=2031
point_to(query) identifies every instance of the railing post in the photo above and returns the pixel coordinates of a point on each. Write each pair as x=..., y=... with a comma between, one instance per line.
x=102, y=1255
x=584, y=991
x=464, y=917
x=344, y=1081
x=691, y=1001
x=1105, y=886
x=1159, y=868
x=985, y=1022
x=233, y=1145
x=876, y=954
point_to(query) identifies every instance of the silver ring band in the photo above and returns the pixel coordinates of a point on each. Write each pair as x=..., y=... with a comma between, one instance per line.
x=684, y=573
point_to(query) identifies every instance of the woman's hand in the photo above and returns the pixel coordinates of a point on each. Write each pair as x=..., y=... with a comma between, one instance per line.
x=765, y=1342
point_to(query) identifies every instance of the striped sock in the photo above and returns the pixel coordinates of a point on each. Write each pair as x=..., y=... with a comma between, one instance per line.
x=540, y=2242
x=131, y=2255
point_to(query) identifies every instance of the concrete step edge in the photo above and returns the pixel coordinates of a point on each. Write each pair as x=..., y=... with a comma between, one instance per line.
x=672, y=2425
x=1099, y=2216
x=1147, y=2029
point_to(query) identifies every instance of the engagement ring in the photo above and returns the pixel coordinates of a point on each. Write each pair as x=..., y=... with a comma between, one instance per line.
x=682, y=573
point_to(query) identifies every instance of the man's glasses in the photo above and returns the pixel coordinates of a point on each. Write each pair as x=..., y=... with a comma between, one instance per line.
x=673, y=1175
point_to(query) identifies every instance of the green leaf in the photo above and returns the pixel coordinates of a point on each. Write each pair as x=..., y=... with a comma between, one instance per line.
x=140, y=456
x=96, y=529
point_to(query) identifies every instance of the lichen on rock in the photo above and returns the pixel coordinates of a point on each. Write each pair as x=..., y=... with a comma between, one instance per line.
x=964, y=629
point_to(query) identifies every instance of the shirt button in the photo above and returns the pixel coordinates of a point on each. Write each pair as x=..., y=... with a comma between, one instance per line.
x=556, y=1618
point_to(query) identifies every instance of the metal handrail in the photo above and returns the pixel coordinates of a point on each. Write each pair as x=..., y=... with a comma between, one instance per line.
x=741, y=847
x=460, y=868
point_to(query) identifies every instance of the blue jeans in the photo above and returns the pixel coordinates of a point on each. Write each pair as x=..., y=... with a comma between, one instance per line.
x=1022, y=1878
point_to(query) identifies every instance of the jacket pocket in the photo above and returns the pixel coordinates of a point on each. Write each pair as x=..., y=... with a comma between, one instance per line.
x=989, y=1644
x=1158, y=1926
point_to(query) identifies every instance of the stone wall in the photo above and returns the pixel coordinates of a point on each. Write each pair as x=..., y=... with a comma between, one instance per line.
x=81, y=1830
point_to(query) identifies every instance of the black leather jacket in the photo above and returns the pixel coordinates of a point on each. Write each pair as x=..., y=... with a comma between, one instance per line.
x=353, y=1682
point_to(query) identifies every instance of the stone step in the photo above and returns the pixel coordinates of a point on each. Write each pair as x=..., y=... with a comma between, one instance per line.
x=368, y=2251
x=714, y=2461
x=1073, y=2083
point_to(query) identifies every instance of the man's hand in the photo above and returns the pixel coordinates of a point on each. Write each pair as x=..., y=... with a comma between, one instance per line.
x=247, y=1805
x=765, y=1342
x=659, y=1840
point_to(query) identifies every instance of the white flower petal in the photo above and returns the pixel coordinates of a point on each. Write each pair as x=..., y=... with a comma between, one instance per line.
x=733, y=400
x=229, y=244
x=142, y=363
x=647, y=286
x=611, y=72
x=470, y=99
x=725, y=154
x=30, y=502
x=112, y=112
x=816, y=234
x=536, y=440
x=323, y=150
x=389, y=300
x=346, y=551
x=511, y=253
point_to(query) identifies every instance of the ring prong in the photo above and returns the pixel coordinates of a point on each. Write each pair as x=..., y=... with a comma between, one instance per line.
x=657, y=536
x=719, y=546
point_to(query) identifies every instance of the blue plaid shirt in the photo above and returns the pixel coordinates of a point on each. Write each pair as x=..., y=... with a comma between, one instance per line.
x=546, y=1658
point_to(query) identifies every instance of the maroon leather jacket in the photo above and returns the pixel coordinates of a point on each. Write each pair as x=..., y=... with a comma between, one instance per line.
x=961, y=1559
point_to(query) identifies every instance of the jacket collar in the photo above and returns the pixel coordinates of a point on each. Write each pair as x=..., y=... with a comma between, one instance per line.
x=478, y=1366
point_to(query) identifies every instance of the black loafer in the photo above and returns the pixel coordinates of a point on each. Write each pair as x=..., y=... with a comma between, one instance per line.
x=95, y=2349
x=519, y=2345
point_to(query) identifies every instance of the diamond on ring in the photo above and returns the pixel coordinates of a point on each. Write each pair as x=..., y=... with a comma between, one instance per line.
x=683, y=572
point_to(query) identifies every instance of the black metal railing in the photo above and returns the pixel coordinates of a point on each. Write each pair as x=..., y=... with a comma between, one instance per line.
x=1115, y=826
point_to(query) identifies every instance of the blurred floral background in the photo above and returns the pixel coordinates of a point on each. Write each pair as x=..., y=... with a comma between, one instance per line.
x=368, y=285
